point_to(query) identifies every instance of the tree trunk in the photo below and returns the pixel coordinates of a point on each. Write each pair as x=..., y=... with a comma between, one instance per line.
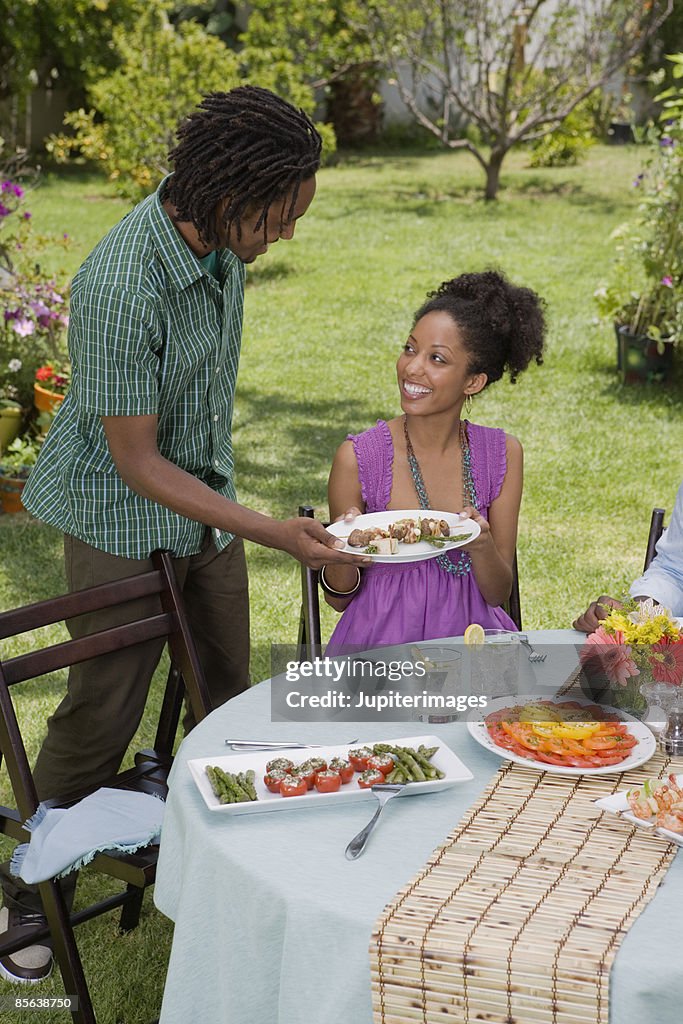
x=493, y=173
x=352, y=107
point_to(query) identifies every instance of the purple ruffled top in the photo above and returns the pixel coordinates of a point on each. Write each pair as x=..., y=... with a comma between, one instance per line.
x=415, y=601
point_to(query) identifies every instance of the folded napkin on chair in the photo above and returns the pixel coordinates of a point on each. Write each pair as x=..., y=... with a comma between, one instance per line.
x=65, y=838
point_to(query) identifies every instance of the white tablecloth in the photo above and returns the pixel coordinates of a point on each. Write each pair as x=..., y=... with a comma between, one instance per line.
x=273, y=924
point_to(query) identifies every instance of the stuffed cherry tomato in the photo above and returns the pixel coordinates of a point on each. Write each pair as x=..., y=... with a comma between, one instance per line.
x=282, y=763
x=370, y=777
x=343, y=768
x=359, y=758
x=308, y=772
x=383, y=763
x=294, y=785
x=273, y=778
x=328, y=781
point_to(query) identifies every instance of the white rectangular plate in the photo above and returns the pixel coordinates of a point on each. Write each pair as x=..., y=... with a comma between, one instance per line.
x=618, y=804
x=408, y=552
x=444, y=758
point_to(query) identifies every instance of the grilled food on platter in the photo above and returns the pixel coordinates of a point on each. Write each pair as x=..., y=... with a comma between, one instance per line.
x=405, y=531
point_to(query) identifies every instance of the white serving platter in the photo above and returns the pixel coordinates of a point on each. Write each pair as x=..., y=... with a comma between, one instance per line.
x=618, y=804
x=642, y=752
x=408, y=552
x=444, y=758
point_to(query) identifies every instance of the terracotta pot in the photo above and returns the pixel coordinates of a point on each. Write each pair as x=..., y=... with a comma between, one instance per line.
x=10, y=493
x=46, y=401
x=10, y=423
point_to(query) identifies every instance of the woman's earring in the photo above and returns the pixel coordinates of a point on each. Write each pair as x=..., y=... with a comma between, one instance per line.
x=468, y=404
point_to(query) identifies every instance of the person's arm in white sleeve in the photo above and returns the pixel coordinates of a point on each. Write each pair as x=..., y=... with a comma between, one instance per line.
x=663, y=580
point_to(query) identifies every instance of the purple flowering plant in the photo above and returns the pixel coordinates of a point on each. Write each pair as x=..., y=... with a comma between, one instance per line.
x=33, y=307
x=645, y=290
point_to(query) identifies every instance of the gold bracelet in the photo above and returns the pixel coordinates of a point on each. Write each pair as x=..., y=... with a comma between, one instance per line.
x=338, y=593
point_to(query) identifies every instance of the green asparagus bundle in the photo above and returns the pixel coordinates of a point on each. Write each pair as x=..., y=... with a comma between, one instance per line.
x=411, y=765
x=232, y=789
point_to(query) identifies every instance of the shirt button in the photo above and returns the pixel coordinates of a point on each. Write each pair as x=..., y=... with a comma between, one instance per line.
x=218, y=369
x=215, y=462
x=215, y=419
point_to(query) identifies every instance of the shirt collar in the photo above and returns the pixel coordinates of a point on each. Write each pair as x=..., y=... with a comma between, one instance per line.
x=182, y=265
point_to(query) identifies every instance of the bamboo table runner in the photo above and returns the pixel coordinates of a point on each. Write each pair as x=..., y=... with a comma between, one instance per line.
x=517, y=917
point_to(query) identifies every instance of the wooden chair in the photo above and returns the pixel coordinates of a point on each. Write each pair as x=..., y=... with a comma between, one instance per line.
x=655, y=532
x=310, y=641
x=151, y=768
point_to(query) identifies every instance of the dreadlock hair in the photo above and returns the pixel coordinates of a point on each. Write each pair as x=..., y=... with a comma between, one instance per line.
x=502, y=325
x=248, y=146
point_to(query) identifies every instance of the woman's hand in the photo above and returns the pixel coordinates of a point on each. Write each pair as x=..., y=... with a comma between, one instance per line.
x=349, y=515
x=595, y=613
x=485, y=538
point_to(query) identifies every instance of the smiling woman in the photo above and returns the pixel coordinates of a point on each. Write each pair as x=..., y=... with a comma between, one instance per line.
x=467, y=334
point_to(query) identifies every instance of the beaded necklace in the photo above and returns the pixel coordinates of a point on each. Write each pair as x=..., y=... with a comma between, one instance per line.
x=463, y=563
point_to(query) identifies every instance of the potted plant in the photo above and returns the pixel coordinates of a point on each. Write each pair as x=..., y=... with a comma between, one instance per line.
x=644, y=298
x=10, y=421
x=50, y=387
x=16, y=464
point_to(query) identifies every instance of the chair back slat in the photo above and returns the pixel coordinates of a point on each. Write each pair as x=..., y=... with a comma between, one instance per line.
x=105, y=595
x=655, y=532
x=71, y=652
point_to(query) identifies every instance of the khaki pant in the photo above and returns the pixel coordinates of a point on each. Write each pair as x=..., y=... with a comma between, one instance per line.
x=90, y=731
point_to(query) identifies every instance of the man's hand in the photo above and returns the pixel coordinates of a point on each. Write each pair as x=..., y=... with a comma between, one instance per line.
x=308, y=541
x=594, y=613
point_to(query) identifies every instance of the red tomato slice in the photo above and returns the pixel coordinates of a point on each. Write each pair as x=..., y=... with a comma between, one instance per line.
x=600, y=742
x=500, y=737
x=611, y=758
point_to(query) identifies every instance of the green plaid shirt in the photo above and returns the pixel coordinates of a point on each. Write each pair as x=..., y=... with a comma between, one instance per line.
x=151, y=333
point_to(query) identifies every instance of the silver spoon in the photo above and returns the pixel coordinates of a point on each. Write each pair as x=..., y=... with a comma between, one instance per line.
x=384, y=792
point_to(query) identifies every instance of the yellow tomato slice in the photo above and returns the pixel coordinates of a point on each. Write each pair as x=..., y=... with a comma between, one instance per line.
x=538, y=713
x=563, y=730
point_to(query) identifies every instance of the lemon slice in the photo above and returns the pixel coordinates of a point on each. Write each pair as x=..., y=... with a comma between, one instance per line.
x=474, y=635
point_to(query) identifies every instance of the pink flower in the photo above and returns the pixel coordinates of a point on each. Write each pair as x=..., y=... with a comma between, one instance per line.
x=24, y=327
x=667, y=281
x=666, y=662
x=609, y=654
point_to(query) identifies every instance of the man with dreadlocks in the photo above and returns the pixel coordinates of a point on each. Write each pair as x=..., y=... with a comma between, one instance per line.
x=140, y=455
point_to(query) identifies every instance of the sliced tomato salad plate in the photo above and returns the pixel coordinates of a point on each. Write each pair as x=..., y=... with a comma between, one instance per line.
x=563, y=736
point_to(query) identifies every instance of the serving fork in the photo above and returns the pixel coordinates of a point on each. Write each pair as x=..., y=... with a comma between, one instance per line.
x=384, y=791
x=534, y=656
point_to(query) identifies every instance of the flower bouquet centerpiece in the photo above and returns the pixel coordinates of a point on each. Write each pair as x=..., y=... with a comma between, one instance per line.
x=636, y=657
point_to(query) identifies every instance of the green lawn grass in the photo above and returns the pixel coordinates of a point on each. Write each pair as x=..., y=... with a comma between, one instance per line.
x=324, y=320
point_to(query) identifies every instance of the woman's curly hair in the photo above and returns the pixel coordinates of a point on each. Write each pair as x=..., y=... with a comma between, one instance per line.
x=502, y=325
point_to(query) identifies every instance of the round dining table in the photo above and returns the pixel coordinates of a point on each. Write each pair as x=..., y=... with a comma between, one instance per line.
x=273, y=923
